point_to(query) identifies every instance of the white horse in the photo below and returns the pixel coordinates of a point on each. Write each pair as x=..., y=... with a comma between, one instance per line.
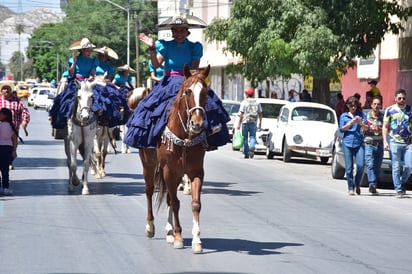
x=81, y=130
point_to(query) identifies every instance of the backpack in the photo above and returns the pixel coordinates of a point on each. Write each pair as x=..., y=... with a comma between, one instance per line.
x=251, y=113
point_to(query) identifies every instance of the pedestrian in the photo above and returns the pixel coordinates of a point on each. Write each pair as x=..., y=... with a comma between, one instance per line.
x=397, y=124
x=374, y=144
x=305, y=96
x=21, y=115
x=368, y=100
x=250, y=111
x=156, y=74
x=352, y=124
x=8, y=146
x=292, y=94
x=104, y=67
x=340, y=105
x=374, y=89
x=150, y=117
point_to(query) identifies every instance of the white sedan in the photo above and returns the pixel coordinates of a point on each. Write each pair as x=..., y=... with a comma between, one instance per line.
x=303, y=129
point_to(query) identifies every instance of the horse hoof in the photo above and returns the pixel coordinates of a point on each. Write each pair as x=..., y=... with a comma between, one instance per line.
x=197, y=248
x=85, y=191
x=178, y=244
x=187, y=190
x=170, y=239
x=150, y=230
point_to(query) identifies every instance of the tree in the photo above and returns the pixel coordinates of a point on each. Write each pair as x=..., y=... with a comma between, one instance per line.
x=15, y=63
x=101, y=22
x=309, y=37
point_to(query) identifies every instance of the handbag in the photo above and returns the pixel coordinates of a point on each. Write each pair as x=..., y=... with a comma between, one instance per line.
x=237, y=139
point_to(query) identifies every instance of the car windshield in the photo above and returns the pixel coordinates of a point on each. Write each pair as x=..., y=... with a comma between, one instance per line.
x=313, y=114
x=231, y=108
x=43, y=92
x=270, y=110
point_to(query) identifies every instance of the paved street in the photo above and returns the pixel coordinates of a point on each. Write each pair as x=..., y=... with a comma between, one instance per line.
x=258, y=216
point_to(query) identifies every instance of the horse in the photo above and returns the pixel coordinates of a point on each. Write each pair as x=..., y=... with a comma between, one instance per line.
x=180, y=150
x=100, y=148
x=133, y=99
x=81, y=129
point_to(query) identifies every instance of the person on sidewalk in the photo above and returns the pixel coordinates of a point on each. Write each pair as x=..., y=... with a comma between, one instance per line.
x=397, y=123
x=374, y=144
x=351, y=124
x=250, y=112
x=8, y=146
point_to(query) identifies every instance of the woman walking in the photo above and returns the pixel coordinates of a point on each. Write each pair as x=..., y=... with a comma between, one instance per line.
x=352, y=124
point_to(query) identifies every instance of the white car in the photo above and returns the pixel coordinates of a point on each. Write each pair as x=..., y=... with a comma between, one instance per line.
x=42, y=99
x=303, y=129
x=270, y=112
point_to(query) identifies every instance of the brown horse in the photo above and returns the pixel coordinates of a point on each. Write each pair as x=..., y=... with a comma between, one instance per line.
x=180, y=151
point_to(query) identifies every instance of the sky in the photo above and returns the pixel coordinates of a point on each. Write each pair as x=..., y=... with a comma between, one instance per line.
x=27, y=5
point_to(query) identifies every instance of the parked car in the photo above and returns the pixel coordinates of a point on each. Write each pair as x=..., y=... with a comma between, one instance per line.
x=270, y=113
x=42, y=98
x=22, y=90
x=303, y=129
x=33, y=93
x=232, y=107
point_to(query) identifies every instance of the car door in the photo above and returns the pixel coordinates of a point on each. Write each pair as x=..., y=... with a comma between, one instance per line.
x=278, y=134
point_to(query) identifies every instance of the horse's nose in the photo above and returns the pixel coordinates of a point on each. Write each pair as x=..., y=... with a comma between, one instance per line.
x=195, y=127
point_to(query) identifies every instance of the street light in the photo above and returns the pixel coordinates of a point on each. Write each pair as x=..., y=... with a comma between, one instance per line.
x=128, y=26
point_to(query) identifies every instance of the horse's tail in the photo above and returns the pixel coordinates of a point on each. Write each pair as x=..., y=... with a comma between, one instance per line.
x=160, y=187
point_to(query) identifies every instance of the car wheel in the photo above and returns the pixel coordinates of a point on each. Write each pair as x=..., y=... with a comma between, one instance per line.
x=338, y=171
x=324, y=160
x=35, y=107
x=269, y=153
x=287, y=154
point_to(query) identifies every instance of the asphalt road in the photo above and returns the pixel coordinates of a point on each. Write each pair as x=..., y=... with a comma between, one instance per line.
x=258, y=216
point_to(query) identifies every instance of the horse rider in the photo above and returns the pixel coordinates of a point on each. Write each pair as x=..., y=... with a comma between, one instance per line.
x=150, y=117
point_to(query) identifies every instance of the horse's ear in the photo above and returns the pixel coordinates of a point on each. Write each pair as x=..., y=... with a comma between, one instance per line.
x=206, y=71
x=186, y=71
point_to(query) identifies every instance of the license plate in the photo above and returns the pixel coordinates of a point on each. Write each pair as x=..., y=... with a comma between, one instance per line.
x=323, y=152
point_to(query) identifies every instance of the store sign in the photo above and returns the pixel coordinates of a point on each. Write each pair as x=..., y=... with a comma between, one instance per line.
x=368, y=68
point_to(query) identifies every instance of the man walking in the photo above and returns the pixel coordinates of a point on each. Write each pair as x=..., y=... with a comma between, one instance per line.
x=250, y=112
x=398, y=123
x=374, y=144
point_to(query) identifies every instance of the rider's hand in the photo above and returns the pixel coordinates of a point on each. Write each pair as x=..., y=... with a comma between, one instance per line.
x=148, y=40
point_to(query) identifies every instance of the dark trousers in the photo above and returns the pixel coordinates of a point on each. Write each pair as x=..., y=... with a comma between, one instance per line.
x=5, y=159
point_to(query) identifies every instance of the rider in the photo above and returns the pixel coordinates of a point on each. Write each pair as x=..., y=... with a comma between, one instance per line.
x=123, y=77
x=150, y=117
x=104, y=68
x=81, y=67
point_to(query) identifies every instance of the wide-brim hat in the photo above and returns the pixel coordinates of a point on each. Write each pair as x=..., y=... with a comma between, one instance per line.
x=126, y=67
x=182, y=20
x=107, y=51
x=6, y=85
x=81, y=44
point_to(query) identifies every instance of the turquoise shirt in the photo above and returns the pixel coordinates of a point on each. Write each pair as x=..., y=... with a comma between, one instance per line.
x=158, y=72
x=104, y=67
x=177, y=55
x=84, y=65
x=121, y=80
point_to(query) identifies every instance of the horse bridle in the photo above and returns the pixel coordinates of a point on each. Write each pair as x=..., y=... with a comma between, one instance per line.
x=189, y=112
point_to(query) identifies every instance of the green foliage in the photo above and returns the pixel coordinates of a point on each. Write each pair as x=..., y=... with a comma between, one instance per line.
x=103, y=23
x=310, y=37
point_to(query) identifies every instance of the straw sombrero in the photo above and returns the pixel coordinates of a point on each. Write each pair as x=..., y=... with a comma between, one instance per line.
x=126, y=67
x=81, y=44
x=107, y=51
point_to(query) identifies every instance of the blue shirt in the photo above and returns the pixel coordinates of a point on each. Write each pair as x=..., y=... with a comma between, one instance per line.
x=84, y=65
x=104, y=67
x=353, y=136
x=177, y=55
x=121, y=80
x=158, y=72
x=400, y=123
